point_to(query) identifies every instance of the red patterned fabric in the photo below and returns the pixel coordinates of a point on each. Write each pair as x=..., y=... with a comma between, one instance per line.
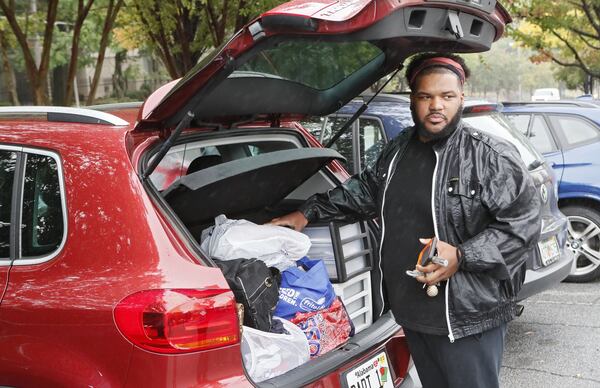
x=325, y=329
x=437, y=61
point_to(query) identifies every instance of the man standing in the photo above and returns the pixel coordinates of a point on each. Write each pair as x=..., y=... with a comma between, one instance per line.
x=442, y=178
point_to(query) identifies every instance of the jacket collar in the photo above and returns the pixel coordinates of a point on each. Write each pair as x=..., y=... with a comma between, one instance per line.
x=441, y=144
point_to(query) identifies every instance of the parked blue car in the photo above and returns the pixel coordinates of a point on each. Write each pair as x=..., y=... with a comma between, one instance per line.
x=569, y=139
x=387, y=115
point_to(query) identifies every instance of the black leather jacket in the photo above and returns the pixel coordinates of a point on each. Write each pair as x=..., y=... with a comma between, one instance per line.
x=484, y=202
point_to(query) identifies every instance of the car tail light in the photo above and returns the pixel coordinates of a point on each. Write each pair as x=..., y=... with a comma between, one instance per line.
x=399, y=356
x=179, y=320
x=481, y=108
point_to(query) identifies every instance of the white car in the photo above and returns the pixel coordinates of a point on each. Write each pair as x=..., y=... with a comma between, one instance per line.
x=547, y=94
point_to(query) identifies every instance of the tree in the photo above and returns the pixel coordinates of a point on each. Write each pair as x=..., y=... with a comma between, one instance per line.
x=180, y=31
x=566, y=33
x=83, y=10
x=68, y=40
x=7, y=67
x=112, y=10
x=37, y=75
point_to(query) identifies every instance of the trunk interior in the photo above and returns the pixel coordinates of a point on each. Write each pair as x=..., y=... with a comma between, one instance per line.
x=259, y=174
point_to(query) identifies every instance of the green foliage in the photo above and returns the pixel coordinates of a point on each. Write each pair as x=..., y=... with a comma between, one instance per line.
x=303, y=61
x=180, y=32
x=566, y=33
x=33, y=24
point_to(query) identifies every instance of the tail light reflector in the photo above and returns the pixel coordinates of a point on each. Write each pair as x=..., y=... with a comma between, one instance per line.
x=179, y=320
x=399, y=356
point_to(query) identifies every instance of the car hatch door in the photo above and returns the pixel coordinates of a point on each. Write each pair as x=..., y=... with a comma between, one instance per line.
x=300, y=60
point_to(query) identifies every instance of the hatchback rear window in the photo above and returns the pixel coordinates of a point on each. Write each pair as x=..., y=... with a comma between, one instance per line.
x=317, y=64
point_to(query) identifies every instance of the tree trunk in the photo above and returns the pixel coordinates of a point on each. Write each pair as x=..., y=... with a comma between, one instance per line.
x=241, y=20
x=82, y=13
x=587, y=84
x=163, y=47
x=111, y=15
x=184, y=39
x=41, y=84
x=30, y=67
x=7, y=69
x=217, y=21
x=119, y=82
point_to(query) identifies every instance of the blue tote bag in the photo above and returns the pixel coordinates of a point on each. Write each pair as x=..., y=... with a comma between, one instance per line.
x=304, y=289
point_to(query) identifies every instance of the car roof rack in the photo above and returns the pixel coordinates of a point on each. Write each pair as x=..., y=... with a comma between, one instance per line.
x=62, y=114
x=116, y=106
x=563, y=103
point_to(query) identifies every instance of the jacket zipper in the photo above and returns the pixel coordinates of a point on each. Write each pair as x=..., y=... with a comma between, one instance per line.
x=433, y=178
x=387, y=182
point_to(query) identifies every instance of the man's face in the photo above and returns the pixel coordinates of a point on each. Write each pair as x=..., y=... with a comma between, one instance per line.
x=436, y=100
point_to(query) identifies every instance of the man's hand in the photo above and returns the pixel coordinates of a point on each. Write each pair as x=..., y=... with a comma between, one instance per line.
x=295, y=220
x=435, y=273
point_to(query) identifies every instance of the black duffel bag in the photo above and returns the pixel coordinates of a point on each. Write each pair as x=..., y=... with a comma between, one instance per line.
x=254, y=285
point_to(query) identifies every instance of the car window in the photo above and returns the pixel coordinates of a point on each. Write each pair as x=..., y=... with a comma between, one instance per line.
x=314, y=125
x=42, y=217
x=496, y=125
x=7, y=175
x=343, y=144
x=521, y=122
x=540, y=135
x=575, y=130
x=316, y=64
x=372, y=140
x=192, y=157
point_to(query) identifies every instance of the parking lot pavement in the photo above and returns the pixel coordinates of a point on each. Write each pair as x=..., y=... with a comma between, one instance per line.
x=556, y=342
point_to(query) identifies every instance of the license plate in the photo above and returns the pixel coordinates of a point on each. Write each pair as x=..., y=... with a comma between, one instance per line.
x=549, y=251
x=373, y=373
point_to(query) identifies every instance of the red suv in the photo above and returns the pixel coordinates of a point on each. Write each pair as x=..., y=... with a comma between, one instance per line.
x=102, y=280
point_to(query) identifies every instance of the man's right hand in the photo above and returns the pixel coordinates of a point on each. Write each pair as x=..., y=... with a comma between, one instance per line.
x=295, y=220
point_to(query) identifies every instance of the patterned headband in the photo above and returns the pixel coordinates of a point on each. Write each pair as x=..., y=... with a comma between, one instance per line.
x=440, y=61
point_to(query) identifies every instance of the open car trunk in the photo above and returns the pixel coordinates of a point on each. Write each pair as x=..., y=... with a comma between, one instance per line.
x=255, y=189
x=269, y=173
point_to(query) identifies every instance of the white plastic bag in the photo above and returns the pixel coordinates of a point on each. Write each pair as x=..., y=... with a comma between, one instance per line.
x=277, y=246
x=267, y=355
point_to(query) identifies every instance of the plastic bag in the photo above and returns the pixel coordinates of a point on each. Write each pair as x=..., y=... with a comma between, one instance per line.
x=267, y=355
x=304, y=290
x=277, y=246
x=326, y=329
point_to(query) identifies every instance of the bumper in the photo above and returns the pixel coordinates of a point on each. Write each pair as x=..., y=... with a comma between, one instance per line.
x=546, y=277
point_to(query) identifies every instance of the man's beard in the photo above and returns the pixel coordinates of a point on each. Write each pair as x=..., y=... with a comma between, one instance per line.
x=445, y=132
